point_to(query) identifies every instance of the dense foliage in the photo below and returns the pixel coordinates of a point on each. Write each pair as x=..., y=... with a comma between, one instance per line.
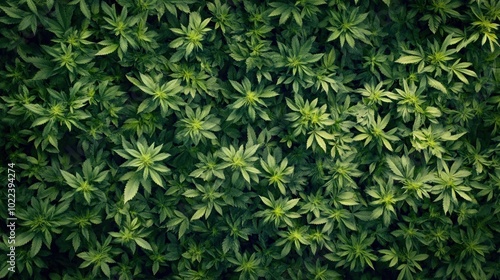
x=239, y=139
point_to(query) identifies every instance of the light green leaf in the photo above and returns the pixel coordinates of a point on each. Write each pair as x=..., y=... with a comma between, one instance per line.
x=377, y=212
x=105, y=269
x=437, y=85
x=131, y=189
x=70, y=179
x=143, y=243
x=84, y=8
x=291, y=203
x=36, y=245
x=266, y=201
x=191, y=193
x=446, y=203
x=35, y=108
x=409, y=59
x=107, y=50
x=392, y=162
x=23, y=238
x=199, y=213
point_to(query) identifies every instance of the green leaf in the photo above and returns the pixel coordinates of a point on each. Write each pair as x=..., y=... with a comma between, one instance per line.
x=409, y=59
x=377, y=213
x=36, y=245
x=32, y=6
x=107, y=50
x=13, y=12
x=446, y=203
x=70, y=179
x=156, y=178
x=266, y=201
x=437, y=85
x=143, y=243
x=199, y=213
x=105, y=269
x=131, y=189
x=23, y=238
x=191, y=193
x=394, y=165
x=43, y=74
x=35, y=108
x=84, y=8
x=291, y=203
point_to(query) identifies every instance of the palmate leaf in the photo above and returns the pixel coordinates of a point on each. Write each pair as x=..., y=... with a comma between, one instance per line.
x=433, y=21
x=348, y=26
x=459, y=69
x=319, y=137
x=284, y=10
x=148, y=163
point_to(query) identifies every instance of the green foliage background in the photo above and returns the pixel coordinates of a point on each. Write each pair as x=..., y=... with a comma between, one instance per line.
x=308, y=139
